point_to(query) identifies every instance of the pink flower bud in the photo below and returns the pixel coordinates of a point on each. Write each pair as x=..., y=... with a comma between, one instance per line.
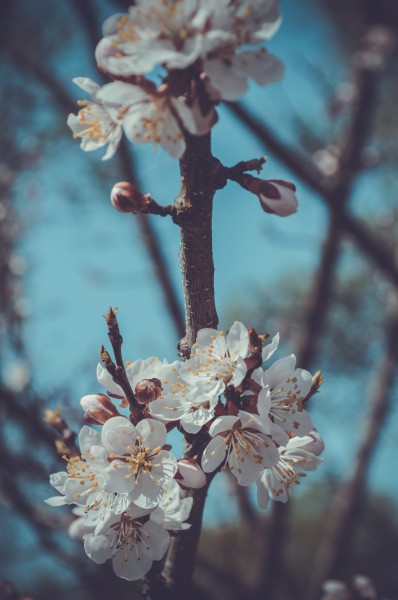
x=98, y=408
x=317, y=446
x=148, y=390
x=278, y=197
x=126, y=198
x=191, y=475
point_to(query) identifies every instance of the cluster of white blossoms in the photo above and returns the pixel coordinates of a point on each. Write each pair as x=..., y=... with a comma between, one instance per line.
x=126, y=484
x=202, y=51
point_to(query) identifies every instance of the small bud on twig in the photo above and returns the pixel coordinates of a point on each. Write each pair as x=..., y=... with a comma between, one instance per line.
x=317, y=381
x=255, y=343
x=276, y=196
x=98, y=408
x=148, y=390
x=53, y=417
x=126, y=198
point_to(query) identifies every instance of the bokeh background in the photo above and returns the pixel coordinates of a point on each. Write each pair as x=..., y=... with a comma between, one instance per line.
x=326, y=278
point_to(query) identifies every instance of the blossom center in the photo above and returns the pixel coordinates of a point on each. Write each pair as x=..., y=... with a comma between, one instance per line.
x=245, y=444
x=93, y=124
x=129, y=533
x=140, y=458
x=286, y=474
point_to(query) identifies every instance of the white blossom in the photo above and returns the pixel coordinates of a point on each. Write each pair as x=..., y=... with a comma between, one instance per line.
x=95, y=124
x=137, y=371
x=278, y=481
x=228, y=72
x=173, y=510
x=218, y=358
x=83, y=483
x=186, y=33
x=193, y=404
x=154, y=116
x=131, y=542
x=245, y=449
x=288, y=388
x=137, y=463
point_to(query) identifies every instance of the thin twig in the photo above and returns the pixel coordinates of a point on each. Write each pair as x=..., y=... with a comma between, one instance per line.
x=365, y=240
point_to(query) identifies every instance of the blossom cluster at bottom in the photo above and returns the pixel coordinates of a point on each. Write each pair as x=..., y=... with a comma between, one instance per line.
x=135, y=538
x=126, y=484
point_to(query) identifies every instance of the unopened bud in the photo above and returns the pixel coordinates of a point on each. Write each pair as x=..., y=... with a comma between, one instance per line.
x=53, y=417
x=148, y=390
x=61, y=448
x=126, y=198
x=98, y=408
x=317, y=380
x=255, y=343
x=191, y=475
x=276, y=196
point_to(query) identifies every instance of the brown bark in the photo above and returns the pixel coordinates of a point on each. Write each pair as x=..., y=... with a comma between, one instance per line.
x=200, y=177
x=194, y=207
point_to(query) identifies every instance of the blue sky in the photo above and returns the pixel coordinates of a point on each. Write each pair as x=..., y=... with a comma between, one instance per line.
x=83, y=256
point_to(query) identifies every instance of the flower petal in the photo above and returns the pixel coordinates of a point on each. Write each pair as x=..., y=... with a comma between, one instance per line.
x=214, y=454
x=155, y=540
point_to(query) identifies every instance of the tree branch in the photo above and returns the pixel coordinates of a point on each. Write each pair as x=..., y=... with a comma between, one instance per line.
x=343, y=517
x=365, y=240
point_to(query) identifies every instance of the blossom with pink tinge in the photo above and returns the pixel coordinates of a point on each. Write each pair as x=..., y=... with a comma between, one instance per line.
x=98, y=408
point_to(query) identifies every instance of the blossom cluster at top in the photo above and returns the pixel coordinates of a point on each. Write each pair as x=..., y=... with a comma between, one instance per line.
x=126, y=483
x=201, y=50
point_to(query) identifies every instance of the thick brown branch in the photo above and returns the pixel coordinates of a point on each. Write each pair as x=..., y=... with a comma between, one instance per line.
x=200, y=177
x=199, y=170
x=181, y=557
